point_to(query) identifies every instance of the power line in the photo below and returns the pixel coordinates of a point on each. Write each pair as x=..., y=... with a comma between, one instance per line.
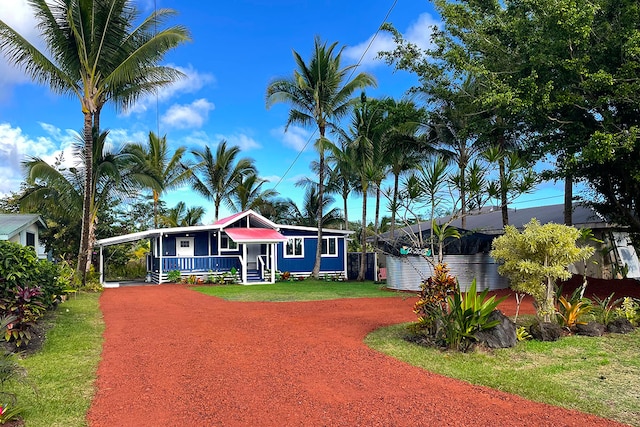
x=351, y=75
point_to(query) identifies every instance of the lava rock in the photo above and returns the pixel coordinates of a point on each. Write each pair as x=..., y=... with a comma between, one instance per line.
x=591, y=329
x=503, y=335
x=620, y=326
x=546, y=331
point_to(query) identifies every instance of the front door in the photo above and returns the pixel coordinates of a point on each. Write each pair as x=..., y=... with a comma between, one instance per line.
x=184, y=246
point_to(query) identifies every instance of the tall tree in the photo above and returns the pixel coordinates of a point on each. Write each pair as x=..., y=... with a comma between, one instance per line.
x=248, y=193
x=168, y=170
x=97, y=51
x=364, y=134
x=181, y=216
x=61, y=190
x=319, y=93
x=216, y=177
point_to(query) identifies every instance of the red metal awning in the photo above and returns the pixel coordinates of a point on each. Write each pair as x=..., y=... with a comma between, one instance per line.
x=254, y=235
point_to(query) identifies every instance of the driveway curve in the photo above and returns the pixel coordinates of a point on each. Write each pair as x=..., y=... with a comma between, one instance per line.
x=175, y=357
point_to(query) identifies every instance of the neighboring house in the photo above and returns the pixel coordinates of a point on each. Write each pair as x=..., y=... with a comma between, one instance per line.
x=24, y=229
x=468, y=257
x=246, y=242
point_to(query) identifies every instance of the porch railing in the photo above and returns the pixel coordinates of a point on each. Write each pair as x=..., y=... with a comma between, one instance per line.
x=198, y=263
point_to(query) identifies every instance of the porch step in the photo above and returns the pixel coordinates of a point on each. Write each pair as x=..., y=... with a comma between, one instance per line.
x=253, y=276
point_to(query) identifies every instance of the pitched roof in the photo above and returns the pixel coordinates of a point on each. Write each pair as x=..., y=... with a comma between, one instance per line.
x=12, y=224
x=489, y=221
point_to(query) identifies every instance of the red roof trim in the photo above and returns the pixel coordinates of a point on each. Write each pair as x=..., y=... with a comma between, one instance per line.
x=255, y=235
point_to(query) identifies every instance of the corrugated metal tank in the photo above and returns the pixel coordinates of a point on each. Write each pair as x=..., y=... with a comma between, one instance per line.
x=408, y=272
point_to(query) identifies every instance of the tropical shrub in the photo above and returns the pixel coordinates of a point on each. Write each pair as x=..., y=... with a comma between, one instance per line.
x=604, y=309
x=572, y=311
x=10, y=370
x=630, y=309
x=468, y=313
x=534, y=259
x=26, y=308
x=448, y=317
x=432, y=299
x=174, y=276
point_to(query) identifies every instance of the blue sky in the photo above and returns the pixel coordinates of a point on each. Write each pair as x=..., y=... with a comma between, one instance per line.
x=237, y=49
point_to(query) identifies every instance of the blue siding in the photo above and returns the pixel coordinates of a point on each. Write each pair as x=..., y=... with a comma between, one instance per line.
x=201, y=244
x=298, y=265
x=169, y=246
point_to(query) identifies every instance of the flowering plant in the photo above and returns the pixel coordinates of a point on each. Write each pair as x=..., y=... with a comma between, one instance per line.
x=9, y=412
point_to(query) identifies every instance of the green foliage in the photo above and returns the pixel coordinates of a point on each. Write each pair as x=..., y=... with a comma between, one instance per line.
x=174, y=276
x=534, y=259
x=432, y=299
x=10, y=371
x=26, y=307
x=522, y=333
x=448, y=317
x=28, y=287
x=629, y=309
x=604, y=309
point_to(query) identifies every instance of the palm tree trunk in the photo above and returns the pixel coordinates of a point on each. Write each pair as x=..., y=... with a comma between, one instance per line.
x=568, y=200
x=316, y=266
x=363, y=236
x=86, y=203
x=376, y=225
x=346, y=214
x=503, y=192
x=394, y=206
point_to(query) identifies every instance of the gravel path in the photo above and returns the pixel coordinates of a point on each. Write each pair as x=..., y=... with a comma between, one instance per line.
x=175, y=357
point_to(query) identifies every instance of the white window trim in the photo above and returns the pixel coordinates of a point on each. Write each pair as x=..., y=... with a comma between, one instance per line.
x=286, y=255
x=223, y=249
x=328, y=255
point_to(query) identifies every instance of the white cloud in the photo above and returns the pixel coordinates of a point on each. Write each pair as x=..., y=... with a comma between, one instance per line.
x=418, y=33
x=16, y=147
x=188, y=116
x=243, y=141
x=19, y=16
x=191, y=83
x=295, y=137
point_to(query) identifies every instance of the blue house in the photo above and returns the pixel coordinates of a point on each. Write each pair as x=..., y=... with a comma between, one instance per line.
x=246, y=243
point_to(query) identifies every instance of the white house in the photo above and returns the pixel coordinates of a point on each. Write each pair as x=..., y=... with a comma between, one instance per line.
x=23, y=229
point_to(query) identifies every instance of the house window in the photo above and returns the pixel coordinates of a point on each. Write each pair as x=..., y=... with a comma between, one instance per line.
x=294, y=248
x=185, y=243
x=227, y=244
x=330, y=246
x=31, y=240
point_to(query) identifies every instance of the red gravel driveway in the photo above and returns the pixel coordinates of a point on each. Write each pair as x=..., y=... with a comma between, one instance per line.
x=175, y=357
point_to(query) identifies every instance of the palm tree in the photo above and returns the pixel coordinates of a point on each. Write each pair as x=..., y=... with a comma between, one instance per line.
x=403, y=150
x=365, y=136
x=342, y=176
x=61, y=191
x=181, y=216
x=319, y=93
x=216, y=178
x=306, y=216
x=248, y=193
x=97, y=54
x=168, y=169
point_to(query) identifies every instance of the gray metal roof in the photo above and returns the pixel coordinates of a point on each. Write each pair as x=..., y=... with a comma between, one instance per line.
x=489, y=220
x=12, y=224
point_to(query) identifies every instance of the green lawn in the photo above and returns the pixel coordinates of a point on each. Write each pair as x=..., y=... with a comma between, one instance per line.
x=306, y=290
x=63, y=372
x=596, y=375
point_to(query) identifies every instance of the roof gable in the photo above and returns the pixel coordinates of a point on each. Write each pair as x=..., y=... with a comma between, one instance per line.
x=255, y=220
x=12, y=224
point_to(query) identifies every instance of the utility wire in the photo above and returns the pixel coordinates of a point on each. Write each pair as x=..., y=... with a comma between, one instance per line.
x=351, y=75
